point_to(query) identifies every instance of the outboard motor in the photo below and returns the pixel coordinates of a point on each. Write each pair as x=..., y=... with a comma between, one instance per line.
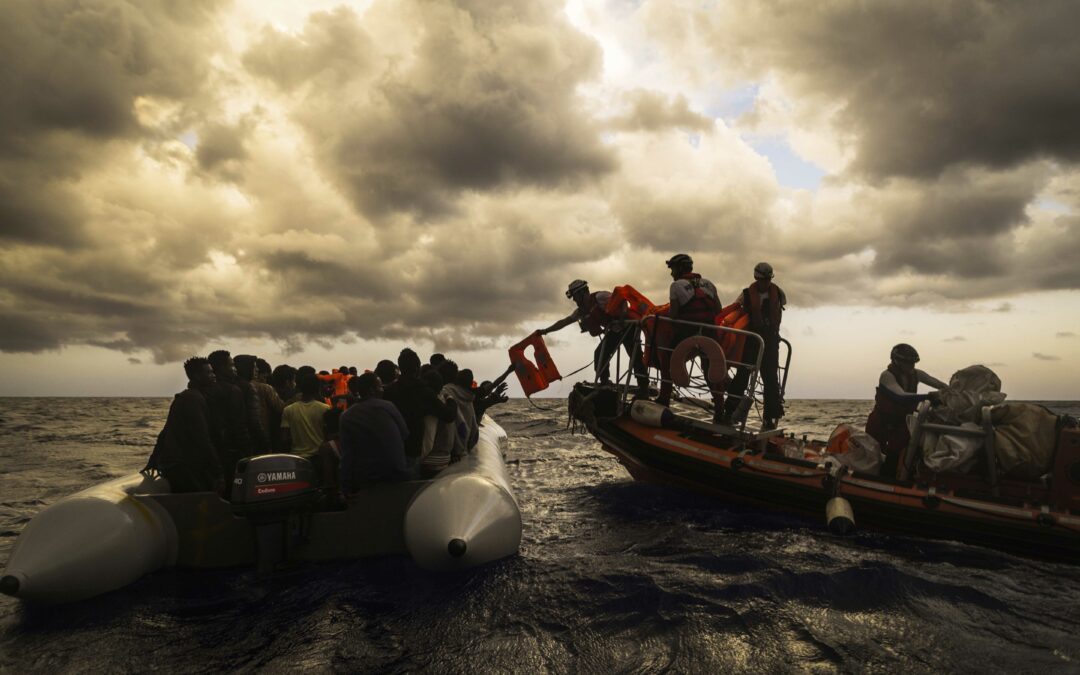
x=275, y=492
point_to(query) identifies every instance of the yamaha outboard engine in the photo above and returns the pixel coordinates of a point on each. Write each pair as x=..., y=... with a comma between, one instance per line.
x=275, y=492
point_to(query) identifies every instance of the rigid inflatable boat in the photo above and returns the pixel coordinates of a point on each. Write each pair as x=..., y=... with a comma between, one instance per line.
x=110, y=535
x=681, y=445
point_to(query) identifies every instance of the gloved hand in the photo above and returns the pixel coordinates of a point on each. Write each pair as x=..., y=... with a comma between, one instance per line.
x=934, y=397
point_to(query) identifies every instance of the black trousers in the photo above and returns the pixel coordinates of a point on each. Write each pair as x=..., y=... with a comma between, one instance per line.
x=630, y=339
x=769, y=374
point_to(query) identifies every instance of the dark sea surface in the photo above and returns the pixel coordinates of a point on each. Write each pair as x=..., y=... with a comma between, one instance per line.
x=613, y=576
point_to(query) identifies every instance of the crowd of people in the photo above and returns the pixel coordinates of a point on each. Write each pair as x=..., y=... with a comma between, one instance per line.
x=397, y=421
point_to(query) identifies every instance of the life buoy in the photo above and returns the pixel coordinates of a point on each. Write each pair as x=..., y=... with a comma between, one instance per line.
x=698, y=345
x=537, y=376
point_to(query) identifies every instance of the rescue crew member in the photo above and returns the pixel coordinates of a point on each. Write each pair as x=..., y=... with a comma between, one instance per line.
x=764, y=301
x=693, y=298
x=592, y=316
x=896, y=398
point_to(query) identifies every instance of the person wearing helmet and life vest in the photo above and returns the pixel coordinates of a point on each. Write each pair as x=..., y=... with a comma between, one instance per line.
x=591, y=315
x=764, y=301
x=897, y=397
x=693, y=298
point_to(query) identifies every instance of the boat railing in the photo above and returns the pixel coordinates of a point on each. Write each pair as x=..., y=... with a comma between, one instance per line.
x=698, y=395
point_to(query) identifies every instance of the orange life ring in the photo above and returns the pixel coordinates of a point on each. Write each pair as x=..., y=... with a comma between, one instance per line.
x=537, y=376
x=698, y=345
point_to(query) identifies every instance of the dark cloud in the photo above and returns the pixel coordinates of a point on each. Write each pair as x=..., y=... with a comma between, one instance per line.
x=1045, y=357
x=653, y=111
x=1066, y=334
x=921, y=86
x=473, y=97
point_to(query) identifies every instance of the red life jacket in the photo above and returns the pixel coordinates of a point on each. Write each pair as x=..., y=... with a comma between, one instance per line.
x=595, y=320
x=761, y=322
x=888, y=420
x=701, y=306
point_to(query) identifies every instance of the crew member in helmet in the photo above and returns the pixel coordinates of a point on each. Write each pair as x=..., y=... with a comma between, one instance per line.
x=693, y=298
x=592, y=316
x=764, y=301
x=897, y=397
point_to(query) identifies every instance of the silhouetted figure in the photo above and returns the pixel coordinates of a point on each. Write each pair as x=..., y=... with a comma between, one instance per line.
x=373, y=435
x=228, y=414
x=184, y=453
x=415, y=400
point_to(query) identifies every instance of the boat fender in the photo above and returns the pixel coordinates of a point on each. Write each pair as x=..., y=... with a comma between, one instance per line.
x=839, y=516
x=652, y=414
x=698, y=345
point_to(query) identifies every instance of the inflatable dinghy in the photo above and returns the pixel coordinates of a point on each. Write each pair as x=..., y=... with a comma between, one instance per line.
x=110, y=535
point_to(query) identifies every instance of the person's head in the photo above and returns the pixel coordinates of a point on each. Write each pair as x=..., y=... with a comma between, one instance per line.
x=904, y=355
x=283, y=377
x=308, y=385
x=387, y=371
x=343, y=369
x=409, y=362
x=464, y=378
x=304, y=370
x=680, y=264
x=245, y=366
x=222, y=362
x=436, y=359
x=263, y=370
x=448, y=370
x=368, y=385
x=352, y=370
x=578, y=290
x=331, y=422
x=763, y=273
x=199, y=372
x=432, y=379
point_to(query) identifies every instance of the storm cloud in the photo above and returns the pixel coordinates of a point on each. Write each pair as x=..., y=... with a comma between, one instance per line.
x=173, y=176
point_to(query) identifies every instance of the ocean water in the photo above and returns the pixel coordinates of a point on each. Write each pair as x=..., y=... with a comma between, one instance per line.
x=613, y=576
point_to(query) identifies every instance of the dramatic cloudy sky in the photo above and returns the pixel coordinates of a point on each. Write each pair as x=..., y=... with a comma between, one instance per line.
x=323, y=182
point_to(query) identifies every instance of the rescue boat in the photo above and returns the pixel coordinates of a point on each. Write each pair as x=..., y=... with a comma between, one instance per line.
x=110, y=535
x=680, y=446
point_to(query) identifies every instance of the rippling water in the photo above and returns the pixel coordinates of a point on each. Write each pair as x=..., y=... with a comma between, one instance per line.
x=613, y=576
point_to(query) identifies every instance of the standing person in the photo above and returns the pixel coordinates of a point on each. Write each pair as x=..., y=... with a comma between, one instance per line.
x=184, y=453
x=693, y=298
x=373, y=435
x=302, y=422
x=592, y=317
x=415, y=400
x=896, y=397
x=388, y=372
x=283, y=378
x=246, y=379
x=270, y=404
x=764, y=301
x=228, y=414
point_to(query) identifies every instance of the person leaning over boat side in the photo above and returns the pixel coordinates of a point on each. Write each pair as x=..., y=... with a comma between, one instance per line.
x=373, y=435
x=693, y=298
x=184, y=453
x=415, y=400
x=897, y=397
x=228, y=414
x=302, y=421
x=764, y=301
x=592, y=317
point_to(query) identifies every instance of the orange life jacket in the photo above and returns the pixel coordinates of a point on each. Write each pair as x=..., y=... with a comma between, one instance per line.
x=637, y=305
x=537, y=376
x=596, y=318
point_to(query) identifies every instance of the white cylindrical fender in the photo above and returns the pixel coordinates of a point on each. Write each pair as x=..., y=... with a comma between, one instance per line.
x=839, y=516
x=651, y=414
x=92, y=542
x=467, y=516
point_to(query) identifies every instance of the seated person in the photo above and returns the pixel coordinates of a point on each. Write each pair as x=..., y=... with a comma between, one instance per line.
x=373, y=435
x=302, y=422
x=184, y=453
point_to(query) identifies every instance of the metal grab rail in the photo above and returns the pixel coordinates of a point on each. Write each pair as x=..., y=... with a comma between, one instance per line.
x=648, y=327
